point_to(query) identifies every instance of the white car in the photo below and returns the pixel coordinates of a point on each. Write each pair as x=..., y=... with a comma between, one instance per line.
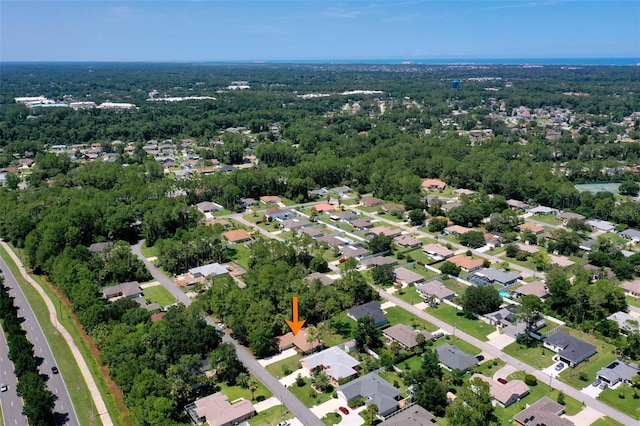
x=3, y=387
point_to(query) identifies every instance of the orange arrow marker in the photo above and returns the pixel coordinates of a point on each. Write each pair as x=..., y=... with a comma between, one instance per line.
x=295, y=324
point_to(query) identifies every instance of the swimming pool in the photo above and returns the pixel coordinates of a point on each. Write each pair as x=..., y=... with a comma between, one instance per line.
x=504, y=294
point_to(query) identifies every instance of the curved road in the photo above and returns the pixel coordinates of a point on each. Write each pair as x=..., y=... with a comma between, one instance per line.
x=277, y=389
x=64, y=411
x=497, y=353
x=11, y=403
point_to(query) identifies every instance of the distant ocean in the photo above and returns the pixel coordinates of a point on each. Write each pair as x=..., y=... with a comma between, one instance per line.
x=461, y=61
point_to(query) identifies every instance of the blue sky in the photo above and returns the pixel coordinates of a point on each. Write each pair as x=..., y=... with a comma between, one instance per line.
x=215, y=30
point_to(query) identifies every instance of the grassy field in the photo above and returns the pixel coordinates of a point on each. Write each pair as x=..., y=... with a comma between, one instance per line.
x=537, y=357
x=419, y=256
x=331, y=419
x=633, y=301
x=307, y=395
x=409, y=295
x=606, y=421
x=548, y=219
x=449, y=314
x=455, y=286
x=77, y=387
x=237, y=392
x=464, y=346
x=397, y=315
x=271, y=416
x=158, y=294
x=627, y=404
x=292, y=363
x=240, y=253
x=412, y=363
x=488, y=368
x=149, y=251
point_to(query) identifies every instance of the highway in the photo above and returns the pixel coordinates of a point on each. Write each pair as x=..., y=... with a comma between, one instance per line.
x=299, y=410
x=64, y=411
x=10, y=401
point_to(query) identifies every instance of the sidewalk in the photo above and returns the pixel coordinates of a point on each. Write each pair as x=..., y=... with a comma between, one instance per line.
x=101, y=408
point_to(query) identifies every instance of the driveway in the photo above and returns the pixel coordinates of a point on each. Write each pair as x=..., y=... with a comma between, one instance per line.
x=291, y=378
x=499, y=340
x=592, y=391
x=279, y=357
x=551, y=370
x=585, y=417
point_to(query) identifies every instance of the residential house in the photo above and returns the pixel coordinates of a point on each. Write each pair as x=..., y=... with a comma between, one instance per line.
x=437, y=252
x=332, y=241
x=375, y=390
x=505, y=319
x=601, y=225
x=517, y=205
x=356, y=251
x=344, y=216
x=463, y=191
x=324, y=207
x=631, y=234
x=236, y=236
x=270, y=199
x=371, y=202
x=536, y=229
x=361, y=223
x=435, y=289
x=587, y=245
x=130, y=290
x=312, y=232
x=618, y=371
x=569, y=349
x=495, y=276
x=100, y=247
x=204, y=271
x=413, y=415
x=341, y=190
x=537, y=288
x=208, y=207
x=383, y=230
x=466, y=263
x=279, y=214
x=300, y=341
x=325, y=280
x=429, y=184
x=562, y=261
x=295, y=224
x=372, y=262
x=334, y=361
x=599, y=272
x=626, y=322
x=407, y=278
x=504, y=394
x=544, y=412
x=216, y=410
x=393, y=208
x=543, y=210
x=528, y=248
x=405, y=335
x=183, y=174
x=320, y=193
x=371, y=309
x=631, y=288
x=212, y=222
x=454, y=358
x=456, y=230
x=248, y=202
x=491, y=240
x=407, y=241
x=565, y=217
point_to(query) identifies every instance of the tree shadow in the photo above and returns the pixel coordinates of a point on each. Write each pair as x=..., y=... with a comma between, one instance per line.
x=60, y=418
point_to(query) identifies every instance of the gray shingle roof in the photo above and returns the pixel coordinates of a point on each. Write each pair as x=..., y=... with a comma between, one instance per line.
x=453, y=357
x=371, y=309
x=376, y=389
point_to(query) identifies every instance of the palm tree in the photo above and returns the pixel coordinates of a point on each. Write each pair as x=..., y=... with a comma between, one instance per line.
x=243, y=380
x=313, y=336
x=372, y=413
x=253, y=387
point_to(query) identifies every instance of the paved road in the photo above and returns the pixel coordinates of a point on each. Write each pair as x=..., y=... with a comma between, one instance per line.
x=11, y=403
x=497, y=353
x=277, y=389
x=64, y=411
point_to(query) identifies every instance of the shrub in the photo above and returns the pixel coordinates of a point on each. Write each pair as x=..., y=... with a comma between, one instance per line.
x=583, y=376
x=530, y=380
x=621, y=395
x=561, y=398
x=299, y=381
x=396, y=383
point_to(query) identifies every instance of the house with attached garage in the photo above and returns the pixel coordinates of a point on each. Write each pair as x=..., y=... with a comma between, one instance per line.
x=618, y=372
x=371, y=309
x=631, y=234
x=436, y=289
x=374, y=390
x=452, y=357
x=407, y=278
x=334, y=361
x=130, y=290
x=405, y=335
x=504, y=394
x=437, y=252
x=569, y=349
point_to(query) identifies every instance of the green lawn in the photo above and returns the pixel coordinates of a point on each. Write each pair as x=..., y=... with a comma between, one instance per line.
x=237, y=392
x=455, y=286
x=633, y=301
x=489, y=367
x=307, y=395
x=158, y=294
x=601, y=359
x=449, y=314
x=464, y=346
x=277, y=368
x=339, y=330
x=411, y=364
x=537, y=357
x=629, y=405
x=606, y=421
x=271, y=416
x=548, y=326
x=78, y=390
x=149, y=251
x=610, y=236
x=368, y=209
x=392, y=378
x=331, y=419
x=548, y=219
x=409, y=295
x=397, y=315
x=419, y=256
x=240, y=253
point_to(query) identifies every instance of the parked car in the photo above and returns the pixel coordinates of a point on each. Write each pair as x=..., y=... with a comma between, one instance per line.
x=560, y=366
x=501, y=380
x=344, y=410
x=342, y=260
x=604, y=385
x=596, y=383
x=54, y=370
x=3, y=387
x=480, y=358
